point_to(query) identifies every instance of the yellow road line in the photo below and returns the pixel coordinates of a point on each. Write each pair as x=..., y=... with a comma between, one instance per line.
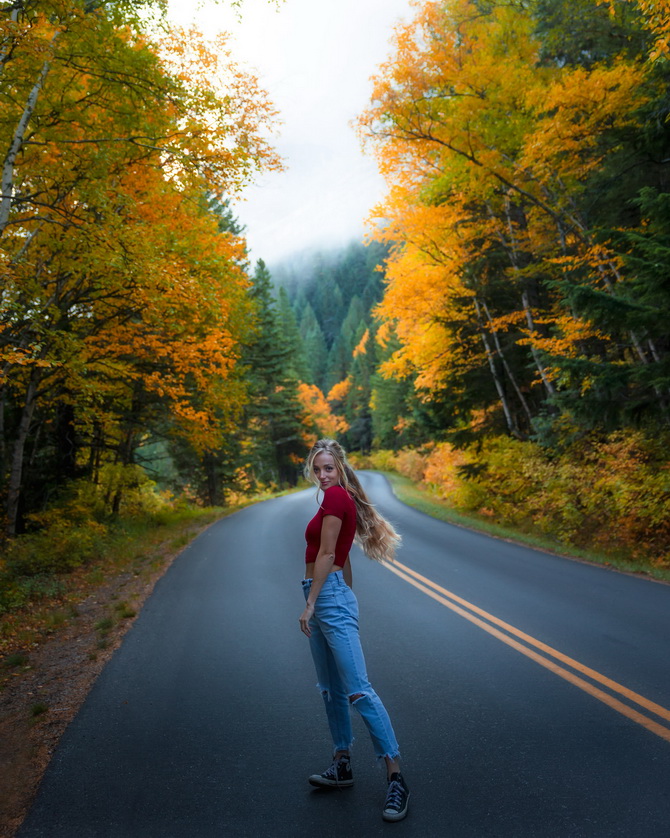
x=449, y=599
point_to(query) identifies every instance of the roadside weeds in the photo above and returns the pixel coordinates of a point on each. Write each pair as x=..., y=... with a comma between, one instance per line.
x=422, y=499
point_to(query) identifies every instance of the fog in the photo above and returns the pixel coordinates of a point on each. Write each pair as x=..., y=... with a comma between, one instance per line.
x=315, y=57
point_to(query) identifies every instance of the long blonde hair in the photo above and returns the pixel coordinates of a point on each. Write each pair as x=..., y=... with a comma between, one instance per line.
x=374, y=533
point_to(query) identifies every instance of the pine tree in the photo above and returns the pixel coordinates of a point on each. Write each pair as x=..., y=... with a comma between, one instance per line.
x=296, y=364
x=314, y=347
x=274, y=413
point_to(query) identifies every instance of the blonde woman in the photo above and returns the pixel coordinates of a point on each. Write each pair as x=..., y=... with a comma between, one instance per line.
x=330, y=618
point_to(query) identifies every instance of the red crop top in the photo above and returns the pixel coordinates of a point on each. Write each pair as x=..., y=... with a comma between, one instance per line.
x=338, y=502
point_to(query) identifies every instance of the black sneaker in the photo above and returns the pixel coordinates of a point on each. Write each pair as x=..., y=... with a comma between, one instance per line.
x=397, y=799
x=337, y=776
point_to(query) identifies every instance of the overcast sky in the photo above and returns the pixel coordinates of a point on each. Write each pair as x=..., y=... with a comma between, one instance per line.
x=315, y=58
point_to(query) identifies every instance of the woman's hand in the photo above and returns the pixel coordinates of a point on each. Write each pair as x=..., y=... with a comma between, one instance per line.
x=305, y=617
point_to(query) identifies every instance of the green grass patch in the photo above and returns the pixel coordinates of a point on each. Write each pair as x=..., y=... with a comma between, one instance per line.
x=179, y=542
x=422, y=499
x=124, y=611
x=38, y=709
x=18, y=659
x=105, y=625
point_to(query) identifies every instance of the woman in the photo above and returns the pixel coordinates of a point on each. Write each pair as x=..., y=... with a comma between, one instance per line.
x=330, y=618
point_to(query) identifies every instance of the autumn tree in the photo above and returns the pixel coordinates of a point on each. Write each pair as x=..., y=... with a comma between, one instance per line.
x=510, y=147
x=123, y=306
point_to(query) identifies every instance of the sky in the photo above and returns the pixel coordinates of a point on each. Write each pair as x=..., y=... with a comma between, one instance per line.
x=315, y=58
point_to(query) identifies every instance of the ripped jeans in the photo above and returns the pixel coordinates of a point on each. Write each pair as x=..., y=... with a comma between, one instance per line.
x=340, y=668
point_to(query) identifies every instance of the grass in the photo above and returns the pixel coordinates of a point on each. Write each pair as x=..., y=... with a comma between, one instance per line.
x=422, y=499
x=38, y=709
x=124, y=611
x=104, y=626
x=15, y=660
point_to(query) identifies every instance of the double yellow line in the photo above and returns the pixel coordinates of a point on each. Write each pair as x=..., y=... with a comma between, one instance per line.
x=507, y=634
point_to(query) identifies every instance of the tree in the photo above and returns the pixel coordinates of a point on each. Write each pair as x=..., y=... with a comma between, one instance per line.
x=122, y=307
x=313, y=345
x=274, y=415
x=509, y=145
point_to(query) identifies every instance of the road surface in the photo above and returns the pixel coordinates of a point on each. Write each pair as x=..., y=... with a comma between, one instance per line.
x=529, y=694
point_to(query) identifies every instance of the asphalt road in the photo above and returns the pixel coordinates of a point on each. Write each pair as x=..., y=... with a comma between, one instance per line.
x=527, y=692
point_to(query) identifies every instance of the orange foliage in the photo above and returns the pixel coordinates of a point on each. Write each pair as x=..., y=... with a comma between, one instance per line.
x=120, y=294
x=319, y=416
x=486, y=150
x=338, y=392
x=360, y=348
x=657, y=13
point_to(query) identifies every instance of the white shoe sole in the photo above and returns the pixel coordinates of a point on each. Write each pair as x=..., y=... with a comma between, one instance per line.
x=396, y=816
x=322, y=782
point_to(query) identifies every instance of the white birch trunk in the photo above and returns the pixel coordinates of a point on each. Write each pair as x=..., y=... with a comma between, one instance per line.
x=494, y=372
x=506, y=366
x=538, y=363
x=16, y=469
x=7, y=184
x=6, y=47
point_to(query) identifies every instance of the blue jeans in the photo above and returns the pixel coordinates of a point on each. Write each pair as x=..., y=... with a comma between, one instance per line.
x=340, y=668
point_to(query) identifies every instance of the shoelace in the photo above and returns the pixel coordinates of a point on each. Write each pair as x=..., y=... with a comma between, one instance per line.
x=394, y=795
x=333, y=770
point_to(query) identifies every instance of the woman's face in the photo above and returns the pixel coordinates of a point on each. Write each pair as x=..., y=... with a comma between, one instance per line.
x=325, y=470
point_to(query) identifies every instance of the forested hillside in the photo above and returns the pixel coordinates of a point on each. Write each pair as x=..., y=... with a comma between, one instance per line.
x=329, y=300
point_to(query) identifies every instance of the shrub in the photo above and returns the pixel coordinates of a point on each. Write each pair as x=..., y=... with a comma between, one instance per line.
x=411, y=463
x=61, y=546
x=75, y=530
x=611, y=492
x=608, y=492
x=442, y=470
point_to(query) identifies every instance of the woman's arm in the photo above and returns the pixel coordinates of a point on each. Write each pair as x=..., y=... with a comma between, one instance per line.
x=330, y=529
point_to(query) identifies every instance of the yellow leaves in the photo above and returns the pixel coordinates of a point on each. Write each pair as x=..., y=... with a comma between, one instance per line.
x=487, y=150
x=455, y=91
x=657, y=13
x=572, y=112
x=318, y=413
x=224, y=117
x=571, y=336
x=360, y=349
x=338, y=392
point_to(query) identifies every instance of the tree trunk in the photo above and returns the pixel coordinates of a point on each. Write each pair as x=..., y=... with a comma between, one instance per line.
x=214, y=495
x=506, y=366
x=7, y=185
x=514, y=256
x=126, y=452
x=538, y=363
x=66, y=442
x=6, y=48
x=95, y=452
x=511, y=424
x=15, y=483
x=3, y=444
